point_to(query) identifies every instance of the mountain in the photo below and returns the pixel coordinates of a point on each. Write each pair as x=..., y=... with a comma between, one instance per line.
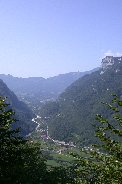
x=23, y=114
x=39, y=89
x=74, y=111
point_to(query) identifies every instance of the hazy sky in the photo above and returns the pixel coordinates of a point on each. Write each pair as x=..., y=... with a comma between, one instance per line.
x=48, y=37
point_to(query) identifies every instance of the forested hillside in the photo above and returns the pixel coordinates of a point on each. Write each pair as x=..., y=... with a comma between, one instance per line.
x=74, y=112
x=23, y=114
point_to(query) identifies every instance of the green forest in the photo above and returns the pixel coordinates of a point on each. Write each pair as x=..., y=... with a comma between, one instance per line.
x=60, y=92
x=74, y=139
x=22, y=162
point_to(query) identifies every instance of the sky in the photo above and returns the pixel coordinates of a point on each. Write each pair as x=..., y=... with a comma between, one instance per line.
x=43, y=38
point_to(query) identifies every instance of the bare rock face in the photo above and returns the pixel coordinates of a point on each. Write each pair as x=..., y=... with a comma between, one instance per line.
x=108, y=61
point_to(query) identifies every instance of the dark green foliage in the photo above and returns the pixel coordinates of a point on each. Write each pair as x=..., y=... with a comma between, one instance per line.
x=78, y=105
x=23, y=113
x=20, y=160
x=60, y=175
x=103, y=162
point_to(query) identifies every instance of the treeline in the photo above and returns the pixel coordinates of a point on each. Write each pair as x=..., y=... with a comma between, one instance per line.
x=74, y=111
x=21, y=161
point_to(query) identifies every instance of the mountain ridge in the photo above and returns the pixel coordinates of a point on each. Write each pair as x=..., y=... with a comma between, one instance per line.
x=75, y=110
x=41, y=88
x=22, y=112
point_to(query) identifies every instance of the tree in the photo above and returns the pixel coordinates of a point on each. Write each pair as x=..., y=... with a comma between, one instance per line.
x=102, y=163
x=20, y=160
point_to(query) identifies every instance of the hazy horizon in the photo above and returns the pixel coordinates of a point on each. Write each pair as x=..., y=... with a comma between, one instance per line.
x=45, y=38
x=46, y=77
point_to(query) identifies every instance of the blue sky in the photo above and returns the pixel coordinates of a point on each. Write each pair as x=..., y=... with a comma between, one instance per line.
x=49, y=37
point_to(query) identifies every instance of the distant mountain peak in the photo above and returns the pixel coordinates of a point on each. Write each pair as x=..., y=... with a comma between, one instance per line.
x=108, y=61
x=81, y=101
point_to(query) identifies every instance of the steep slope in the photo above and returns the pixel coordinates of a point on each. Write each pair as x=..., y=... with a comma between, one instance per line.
x=41, y=89
x=74, y=111
x=23, y=113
